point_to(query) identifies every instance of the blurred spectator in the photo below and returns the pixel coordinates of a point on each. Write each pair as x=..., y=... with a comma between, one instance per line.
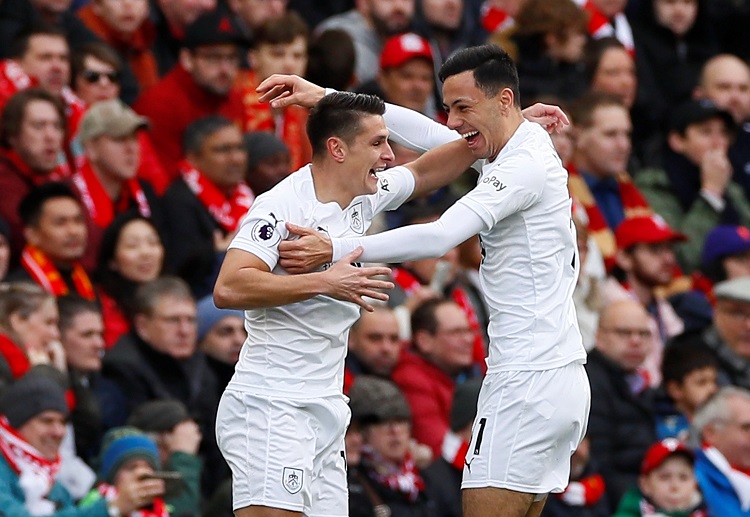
x=40, y=58
x=406, y=74
x=198, y=86
x=694, y=190
x=374, y=346
x=279, y=47
x=725, y=255
x=369, y=24
x=689, y=374
x=722, y=461
x=32, y=129
x=177, y=438
x=725, y=80
x=97, y=75
x=499, y=15
x=268, y=161
x=598, y=177
x=728, y=337
x=621, y=423
x=588, y=295
x=205, y=205
x=131, y=254
x=4, y=248
x=331, y=59
x=106, y=180
x=585, y=495
x=158, y=360
x=126, y=27
x=81, y=335
x=667, y=485
x=645, y=265
x=607, y=19
x=443, y=476
x=28, y=329
x=252, y=14
x=55, y=231
x=427, y=374
x=128, y=459
x=672, y=40
x=171, y=19
x=388, y=469
x=547, y=43
x=221, y=334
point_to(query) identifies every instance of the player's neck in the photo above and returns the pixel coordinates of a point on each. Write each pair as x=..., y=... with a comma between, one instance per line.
x=328, y=185
x=505, y=132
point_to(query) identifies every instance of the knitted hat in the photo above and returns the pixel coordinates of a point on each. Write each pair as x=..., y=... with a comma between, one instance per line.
x=260, y=145
x=122, y=444
x=373, y=399
x=158, y=416
x=209, y=315
x=464, y=407
x=32, y=394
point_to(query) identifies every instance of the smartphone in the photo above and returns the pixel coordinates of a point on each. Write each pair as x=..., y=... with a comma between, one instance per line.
x=172, y=481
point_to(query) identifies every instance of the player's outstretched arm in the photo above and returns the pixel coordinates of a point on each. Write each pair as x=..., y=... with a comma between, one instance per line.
x=246, y=282
x=286, y=90
x=440, y=166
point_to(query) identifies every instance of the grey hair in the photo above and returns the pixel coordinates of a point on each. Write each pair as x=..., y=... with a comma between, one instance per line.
x=715, y=410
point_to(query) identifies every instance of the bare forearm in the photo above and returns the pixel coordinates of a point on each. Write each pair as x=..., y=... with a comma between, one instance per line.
x=250, y=288
x=440, y=166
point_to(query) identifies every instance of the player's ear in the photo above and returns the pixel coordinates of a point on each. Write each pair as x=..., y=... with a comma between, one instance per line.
x=506, y=98
x=336, y=148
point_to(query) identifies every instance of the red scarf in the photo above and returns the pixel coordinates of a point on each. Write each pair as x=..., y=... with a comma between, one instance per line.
x=36, y=472
x=44, y=273
x=258, y=116
x=494, y=19
x=15, y=357
x=600, y=26
x=409, y=283
x=226, y=212
x=60, y=172
x=158, y=507
x=584, y=492
x=98, y=203
x=404, y=478
x=633, y=202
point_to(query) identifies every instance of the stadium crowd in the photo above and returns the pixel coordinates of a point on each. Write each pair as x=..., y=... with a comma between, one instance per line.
x=133, y=142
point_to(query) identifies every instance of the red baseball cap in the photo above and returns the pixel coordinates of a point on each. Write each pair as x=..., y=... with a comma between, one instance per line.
x=400, y=49
x=660, y=451
x=645, y=230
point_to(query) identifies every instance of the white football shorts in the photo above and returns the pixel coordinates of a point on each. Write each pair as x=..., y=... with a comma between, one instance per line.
x=528, y=425
x=285, y=453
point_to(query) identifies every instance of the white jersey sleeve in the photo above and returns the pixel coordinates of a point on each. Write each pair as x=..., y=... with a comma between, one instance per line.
x=262, y=229
x=507, y=187
x=415, y=130
x=395, y=186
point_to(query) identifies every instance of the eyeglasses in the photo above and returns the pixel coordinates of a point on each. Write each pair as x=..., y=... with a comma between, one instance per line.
x=92, y=76
x=628, y=333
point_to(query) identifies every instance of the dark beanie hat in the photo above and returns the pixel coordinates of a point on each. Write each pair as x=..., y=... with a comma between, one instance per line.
x=373, y=400
x=158, y=416
x=122, y=444
x=262, y=144
x=32, y=394
x=464, y=407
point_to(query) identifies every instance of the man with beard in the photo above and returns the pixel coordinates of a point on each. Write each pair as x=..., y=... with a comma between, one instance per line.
x=198, y=86
x=369, y=24
x=645, y=262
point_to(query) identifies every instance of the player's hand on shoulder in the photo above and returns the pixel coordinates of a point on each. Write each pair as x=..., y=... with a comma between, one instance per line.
x=349, y=282
x=307, y=253
x=551, y=117
x=286, y=90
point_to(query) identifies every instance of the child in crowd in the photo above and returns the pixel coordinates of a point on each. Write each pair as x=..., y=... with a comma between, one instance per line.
x=667, y=486
x=689, y=378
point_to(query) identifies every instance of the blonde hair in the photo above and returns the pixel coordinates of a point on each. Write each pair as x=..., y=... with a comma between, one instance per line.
x=22, y=298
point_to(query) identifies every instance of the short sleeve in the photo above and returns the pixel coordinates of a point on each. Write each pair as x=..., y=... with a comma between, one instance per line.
x=262, y=229
x=511, y=186
x=395, y=186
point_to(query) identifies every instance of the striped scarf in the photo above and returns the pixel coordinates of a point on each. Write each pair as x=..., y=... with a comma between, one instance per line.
x=632, y=201
x=44, y=273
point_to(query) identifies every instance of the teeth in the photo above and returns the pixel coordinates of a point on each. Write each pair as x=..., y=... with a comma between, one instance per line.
x=469, y=134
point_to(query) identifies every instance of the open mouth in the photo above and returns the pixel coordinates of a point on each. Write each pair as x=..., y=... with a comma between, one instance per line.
x=470, y=137
x=374, y=172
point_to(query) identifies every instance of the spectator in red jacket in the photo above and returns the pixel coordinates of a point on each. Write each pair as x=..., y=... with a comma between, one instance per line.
x=198, y=86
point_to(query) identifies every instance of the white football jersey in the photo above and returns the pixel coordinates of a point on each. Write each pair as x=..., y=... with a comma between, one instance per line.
x=299, y=349
x=530, y=260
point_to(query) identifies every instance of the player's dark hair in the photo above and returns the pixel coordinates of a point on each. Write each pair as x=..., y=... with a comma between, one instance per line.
x=339, y=114
x=197, y=132
x=424, y=317
x=492, y=67
x=31, y=207
x=681, y=359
